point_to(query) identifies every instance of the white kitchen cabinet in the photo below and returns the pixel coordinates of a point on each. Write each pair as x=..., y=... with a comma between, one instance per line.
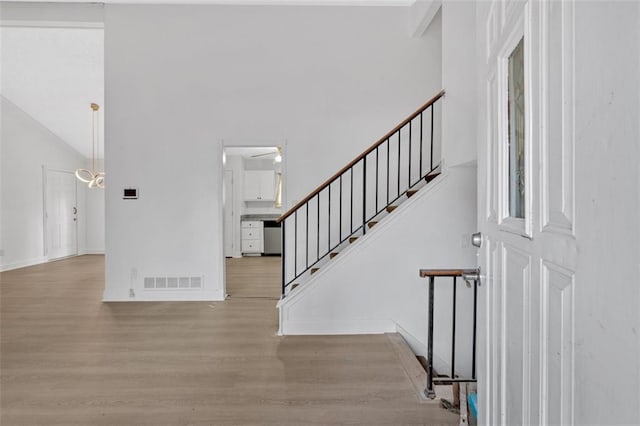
x=252, y=240
x=259, y=185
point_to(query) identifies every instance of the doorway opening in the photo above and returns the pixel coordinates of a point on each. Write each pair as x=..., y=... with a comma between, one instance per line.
x=254, y=197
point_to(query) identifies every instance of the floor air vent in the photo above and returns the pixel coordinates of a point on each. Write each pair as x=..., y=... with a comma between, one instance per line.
x=173, y=283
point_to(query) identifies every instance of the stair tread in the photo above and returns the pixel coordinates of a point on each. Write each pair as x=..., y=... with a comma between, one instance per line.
x=352, y=239
x=372, y=224
x=432, y=176
x=314, y=270
x=391, y=208
x=332, y=255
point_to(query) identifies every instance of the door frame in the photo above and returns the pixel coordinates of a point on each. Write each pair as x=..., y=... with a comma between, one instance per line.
x=45, y=216
x=245, y=143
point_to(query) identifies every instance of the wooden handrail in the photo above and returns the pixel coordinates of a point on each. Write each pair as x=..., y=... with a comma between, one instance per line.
x=446, y=272
x=360, y=157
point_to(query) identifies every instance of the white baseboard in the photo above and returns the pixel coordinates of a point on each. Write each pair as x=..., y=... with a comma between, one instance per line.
x=336, y=327
x=417, y=346
x=164, y=296
x=23, y=264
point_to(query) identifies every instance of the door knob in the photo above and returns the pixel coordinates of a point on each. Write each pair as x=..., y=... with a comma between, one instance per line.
x=471, y=276
x=476, y=239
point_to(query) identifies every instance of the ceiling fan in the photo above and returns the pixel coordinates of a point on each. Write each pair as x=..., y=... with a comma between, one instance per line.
x=277, y=155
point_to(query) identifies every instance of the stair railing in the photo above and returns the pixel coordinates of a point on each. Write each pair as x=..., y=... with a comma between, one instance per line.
x=471, y=277
x=341, y=207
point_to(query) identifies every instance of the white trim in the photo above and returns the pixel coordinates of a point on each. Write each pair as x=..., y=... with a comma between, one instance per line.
x=337, y=327
x=23, y=264
x=51, y=24
x=349, y=250
x=523, y=227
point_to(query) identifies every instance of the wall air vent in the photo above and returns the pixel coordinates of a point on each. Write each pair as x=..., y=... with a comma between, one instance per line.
x=173, y=283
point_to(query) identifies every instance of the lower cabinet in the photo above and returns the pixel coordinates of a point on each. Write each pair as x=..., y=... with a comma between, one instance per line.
x=252, y=237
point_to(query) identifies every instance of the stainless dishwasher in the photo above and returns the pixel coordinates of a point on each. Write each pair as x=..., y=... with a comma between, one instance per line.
x=272, y=238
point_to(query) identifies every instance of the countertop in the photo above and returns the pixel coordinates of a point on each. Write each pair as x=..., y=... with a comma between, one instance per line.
x=259, y=216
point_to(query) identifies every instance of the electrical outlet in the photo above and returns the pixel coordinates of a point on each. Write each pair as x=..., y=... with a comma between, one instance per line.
x=132, y=293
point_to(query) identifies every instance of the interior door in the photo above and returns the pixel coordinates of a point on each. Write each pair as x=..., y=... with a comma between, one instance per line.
x=61, y=214
x=526, y=212
x=228, y=213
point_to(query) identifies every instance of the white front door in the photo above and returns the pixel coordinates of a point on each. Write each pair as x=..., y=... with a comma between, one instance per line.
x=61, y=214
x=526, y=212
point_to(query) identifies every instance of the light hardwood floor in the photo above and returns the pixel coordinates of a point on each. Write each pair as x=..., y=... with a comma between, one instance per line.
x=68, y=359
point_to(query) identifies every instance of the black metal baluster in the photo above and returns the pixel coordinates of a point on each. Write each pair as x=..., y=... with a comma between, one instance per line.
x=421, y=151
x=429, y=391
x=453, y=332
x=318, y=235
x=398, y=193
x=388, y=171
x=295, y=244
x=364, y=195
x=432, y=126
x=284, y=257
x=329, y=221
x=351, y=201
x=377, y=172
x=340, y=239
x=409, y=176
x=473, y=350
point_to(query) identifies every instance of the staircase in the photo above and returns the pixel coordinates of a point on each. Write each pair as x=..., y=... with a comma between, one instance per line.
x=363, y=193
x=353, y=247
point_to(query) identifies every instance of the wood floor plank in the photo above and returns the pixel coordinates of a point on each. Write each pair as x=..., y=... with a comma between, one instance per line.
x=68, y=359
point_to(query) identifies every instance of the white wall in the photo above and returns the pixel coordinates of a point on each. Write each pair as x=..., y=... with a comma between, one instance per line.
x=95, y=218
x=27, y=146
x=328, y=80
x=374, y=287
x=607, y=153
x=459, y=81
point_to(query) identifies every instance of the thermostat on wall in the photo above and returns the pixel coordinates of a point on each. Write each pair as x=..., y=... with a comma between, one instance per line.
x=130, y=194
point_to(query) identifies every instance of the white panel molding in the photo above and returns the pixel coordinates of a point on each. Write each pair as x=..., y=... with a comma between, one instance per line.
x=492, y=177
x=510, y=10
x=490, y=396
x=516, y=275
x=557, y=362
x=557, y=103
x=491, y=30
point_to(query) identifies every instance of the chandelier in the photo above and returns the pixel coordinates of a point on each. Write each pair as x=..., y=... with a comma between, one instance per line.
x=93, y=177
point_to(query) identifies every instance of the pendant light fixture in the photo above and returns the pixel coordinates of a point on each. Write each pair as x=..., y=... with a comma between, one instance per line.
x=93, y=177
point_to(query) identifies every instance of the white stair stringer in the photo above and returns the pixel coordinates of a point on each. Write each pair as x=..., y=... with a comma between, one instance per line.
x=373, y=286
x=306, y=277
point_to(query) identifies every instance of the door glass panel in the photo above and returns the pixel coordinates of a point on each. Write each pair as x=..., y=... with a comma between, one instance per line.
x=516, y=117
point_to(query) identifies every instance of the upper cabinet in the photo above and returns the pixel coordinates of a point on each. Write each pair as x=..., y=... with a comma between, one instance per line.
x=259, y=185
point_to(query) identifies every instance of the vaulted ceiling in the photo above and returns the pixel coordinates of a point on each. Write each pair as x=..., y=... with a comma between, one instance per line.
x=54, y=72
